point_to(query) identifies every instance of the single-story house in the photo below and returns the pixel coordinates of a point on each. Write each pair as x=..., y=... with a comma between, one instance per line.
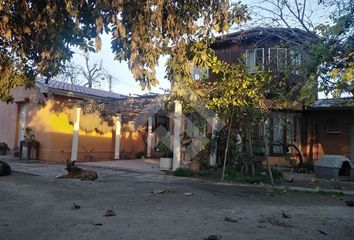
x=328, y=128
x=79, y=123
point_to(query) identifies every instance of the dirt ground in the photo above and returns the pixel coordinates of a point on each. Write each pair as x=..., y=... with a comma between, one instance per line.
x=41, y=207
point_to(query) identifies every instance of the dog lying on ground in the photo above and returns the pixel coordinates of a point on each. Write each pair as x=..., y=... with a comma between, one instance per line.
x=5, y=169
x=76, y=172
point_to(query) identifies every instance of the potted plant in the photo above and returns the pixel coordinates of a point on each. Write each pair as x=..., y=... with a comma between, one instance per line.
x=30, y=144
x=3, y=148
x=166, y=155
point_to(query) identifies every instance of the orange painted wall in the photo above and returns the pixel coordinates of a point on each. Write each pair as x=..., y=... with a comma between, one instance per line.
x=52, y=129
x=327, y=143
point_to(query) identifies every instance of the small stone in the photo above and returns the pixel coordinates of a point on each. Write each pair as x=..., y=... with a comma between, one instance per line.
x=213, y=237
x=76, y=206
x=230, y=219
x=188, y=194
x=109, y=213
x=158, y=191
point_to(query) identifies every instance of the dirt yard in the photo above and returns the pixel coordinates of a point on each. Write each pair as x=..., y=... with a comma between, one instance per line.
x=42, y=207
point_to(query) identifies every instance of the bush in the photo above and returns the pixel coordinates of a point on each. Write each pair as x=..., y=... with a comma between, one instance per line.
x=233, y=174
x=306, y=168
x=276, y=174
x=183, y=172
x=140, y=154
x=258, y=178
x=3, y=148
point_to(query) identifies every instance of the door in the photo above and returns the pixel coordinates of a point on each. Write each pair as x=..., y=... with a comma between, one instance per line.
x=21, y=123
x=351, y=142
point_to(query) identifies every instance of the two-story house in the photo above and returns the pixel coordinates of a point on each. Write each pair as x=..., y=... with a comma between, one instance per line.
x=283, y=52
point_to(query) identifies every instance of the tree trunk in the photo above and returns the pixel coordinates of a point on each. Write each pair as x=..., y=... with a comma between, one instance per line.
x=226, y=149
x=266, y=152
x=249, y=136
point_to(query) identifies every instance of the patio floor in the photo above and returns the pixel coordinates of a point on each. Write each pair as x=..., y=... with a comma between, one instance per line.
x=140, y=165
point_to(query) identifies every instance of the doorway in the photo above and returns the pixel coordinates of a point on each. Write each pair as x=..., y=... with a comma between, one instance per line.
x=21, y=122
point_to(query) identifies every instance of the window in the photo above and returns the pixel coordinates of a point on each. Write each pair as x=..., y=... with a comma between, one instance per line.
x=255, y=59
x=277, y=58
x=295, y=61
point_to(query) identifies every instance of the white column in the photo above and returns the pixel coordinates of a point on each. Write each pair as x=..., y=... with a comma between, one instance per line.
x=117, y=139
x=75, y=143
x=149, y=137
x=214, y=125
x=177, y=136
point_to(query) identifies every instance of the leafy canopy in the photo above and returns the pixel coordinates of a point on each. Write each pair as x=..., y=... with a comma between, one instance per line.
x=36, y=37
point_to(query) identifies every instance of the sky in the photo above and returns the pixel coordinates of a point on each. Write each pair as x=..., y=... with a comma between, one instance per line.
x=124, y=82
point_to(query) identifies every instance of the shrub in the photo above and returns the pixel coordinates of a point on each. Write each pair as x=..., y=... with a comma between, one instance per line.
x=276, y=174
x=258, y=178
x=140, y=154
x=183, y=172
x=306, y=168
x=3, y=148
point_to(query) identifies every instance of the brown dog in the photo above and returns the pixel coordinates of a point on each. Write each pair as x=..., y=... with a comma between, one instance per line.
x=5, y=169
x=76, y=172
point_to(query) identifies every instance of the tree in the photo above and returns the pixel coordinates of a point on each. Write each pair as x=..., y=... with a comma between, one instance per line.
x=87, y=74
x=70, y=74
x=330, y=54
x=36, y=36
x=337, y=49
x=235, y=95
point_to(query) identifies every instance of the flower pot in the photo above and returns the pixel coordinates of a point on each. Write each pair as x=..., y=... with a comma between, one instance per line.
x=165, y=163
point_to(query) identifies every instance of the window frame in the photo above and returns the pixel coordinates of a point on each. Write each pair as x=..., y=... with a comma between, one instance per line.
x=254, y=53
x=277, y=58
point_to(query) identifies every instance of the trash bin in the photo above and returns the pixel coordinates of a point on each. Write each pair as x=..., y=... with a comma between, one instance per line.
x=29, y=150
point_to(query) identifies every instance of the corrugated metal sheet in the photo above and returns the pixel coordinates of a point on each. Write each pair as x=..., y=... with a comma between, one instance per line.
x=71, y=88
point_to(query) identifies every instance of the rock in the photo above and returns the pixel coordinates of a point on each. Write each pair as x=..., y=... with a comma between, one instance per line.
x=76, y=206
x=5, y=169
x=109, y=213
x=284, y=215
x=213, y=237
x=350, y=203
x=158, y=191
x=290, y=180
x=230, y=219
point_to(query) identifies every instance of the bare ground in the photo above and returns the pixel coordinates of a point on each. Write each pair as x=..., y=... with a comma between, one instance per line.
x=39, y=207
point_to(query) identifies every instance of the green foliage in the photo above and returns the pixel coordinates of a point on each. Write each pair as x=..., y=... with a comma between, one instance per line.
x=3, y=146
x=183, y=172
x=234, y=174
x=29, y=135
x=163, y=147
x=306, y=168
x=334, y=55
x=258, y=178
x=39, y=35
x=275, y=173
x=140, y=155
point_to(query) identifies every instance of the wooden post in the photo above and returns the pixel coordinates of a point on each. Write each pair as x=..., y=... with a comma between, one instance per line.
x=214, y=124
x=149, y=137
x=117, y=139
x=177, y=136
x=76, y=133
